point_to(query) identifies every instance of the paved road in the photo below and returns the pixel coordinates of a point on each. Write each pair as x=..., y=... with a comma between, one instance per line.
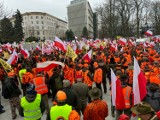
x=7, y=114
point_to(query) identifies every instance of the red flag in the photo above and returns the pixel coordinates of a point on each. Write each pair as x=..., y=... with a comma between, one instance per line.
x=88, y=56
x=13, y=59
x=139, y=84
x=148, y=33
x=59, y=44
x=48, y=65
x=120, y=104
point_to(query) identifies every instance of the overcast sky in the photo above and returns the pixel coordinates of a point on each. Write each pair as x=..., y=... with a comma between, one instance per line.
x=57, y=8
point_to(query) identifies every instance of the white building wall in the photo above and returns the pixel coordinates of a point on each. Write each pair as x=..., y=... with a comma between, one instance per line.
x=42, y=25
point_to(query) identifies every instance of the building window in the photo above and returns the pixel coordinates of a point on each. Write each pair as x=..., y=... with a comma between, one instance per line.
x=44, y=38
x=43, y=33
x=42, y=22
x=42, y=27
x=37, y=27
x=37, y=22
x=36, y=17
x=31, y=22
x=31, y=17
x=41, y=17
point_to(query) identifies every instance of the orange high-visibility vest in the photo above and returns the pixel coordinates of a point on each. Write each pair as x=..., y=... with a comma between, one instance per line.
x=127, y=93
x=40, y=85
x=86, y=78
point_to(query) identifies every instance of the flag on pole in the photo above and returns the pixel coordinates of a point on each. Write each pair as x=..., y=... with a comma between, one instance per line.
x=48, y=65
x=88, y=56
x=139, y=84
x=59, y=44
x=70, y=53
x=13, y=58
x=5, y=65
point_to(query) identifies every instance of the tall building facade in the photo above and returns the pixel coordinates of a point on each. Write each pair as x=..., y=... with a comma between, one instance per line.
x=42, y=25
x=80, y=15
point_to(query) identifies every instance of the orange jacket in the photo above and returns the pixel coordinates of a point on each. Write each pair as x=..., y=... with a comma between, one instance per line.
x=40, y=85
x=66, y=70
x=27, y=78
x=130, y=74
x=154, y=79
x=127, y=96
x=78, y=73
x=86, y=78
x=98, y=75
x=117, y=59
x=70, y=75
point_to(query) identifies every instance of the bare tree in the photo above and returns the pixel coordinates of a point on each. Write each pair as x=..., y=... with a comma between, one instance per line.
x=3, y=11
x=155, y=15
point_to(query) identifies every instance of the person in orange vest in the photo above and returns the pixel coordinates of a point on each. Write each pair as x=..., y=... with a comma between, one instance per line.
x=127, y=93
x=27, y=77
x=125, y=61
x=98, y=75
x=71, y=73
x=78, y=71
x=97, y=109
x=87, y=78
x=41, y=88
x=129, y=72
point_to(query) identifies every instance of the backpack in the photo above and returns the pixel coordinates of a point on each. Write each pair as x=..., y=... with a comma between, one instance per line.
x=58, y=83
x=5, y=89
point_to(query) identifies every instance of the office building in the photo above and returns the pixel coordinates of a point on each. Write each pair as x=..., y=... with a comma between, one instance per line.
x=80, y=15
x=42, y=25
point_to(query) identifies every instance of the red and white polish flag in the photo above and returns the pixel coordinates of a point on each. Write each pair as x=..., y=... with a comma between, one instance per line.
x=59, y=44
x=48, y=65
x=122, y=41
x=25, y=53
x=38, y=48
x=88, y=56
x=13, y=58
x=149, y=33
x=139, y=84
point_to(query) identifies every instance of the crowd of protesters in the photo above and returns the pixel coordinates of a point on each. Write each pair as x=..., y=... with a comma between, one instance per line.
x=71, y=87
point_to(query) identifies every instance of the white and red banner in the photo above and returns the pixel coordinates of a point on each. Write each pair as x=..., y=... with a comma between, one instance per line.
x=59, y=44
x=48, y=65
x=139, y=84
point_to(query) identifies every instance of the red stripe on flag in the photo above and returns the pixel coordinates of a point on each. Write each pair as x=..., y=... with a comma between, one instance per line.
x=142, y=85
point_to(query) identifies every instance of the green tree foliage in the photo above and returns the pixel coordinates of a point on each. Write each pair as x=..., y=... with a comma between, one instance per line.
x=31, y=39
x=69, y=35
x=18, y=27
x=7, y=30
x=85, y=33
